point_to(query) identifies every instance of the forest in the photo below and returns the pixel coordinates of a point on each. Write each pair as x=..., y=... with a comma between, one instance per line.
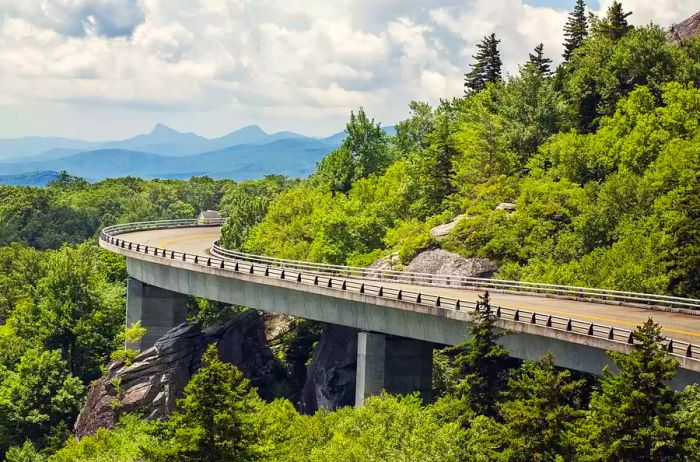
x=601, y=157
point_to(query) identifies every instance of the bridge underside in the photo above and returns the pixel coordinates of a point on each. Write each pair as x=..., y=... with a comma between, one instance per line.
x=394, y=344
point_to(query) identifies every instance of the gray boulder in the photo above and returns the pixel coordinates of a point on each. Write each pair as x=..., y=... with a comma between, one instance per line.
x=439, y=261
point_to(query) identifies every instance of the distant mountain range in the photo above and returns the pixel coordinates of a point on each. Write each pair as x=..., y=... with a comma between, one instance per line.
x=166, y=153
x=28, y=179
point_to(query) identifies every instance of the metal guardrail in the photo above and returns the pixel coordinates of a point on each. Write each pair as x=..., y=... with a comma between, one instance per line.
x=319, y=275
x=464, y=282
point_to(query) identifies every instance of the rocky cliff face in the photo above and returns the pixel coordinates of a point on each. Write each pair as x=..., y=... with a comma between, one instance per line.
x=156, y=379
x=685, y=30
x=330, y=378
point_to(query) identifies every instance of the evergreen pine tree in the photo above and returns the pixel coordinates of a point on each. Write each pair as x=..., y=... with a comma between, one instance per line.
x=482, y=363
x=215, y=419
x=614, y=25
x=631, y=416
x=543, y=406
x=575, y=30
x=487, y=68
x=539, y=61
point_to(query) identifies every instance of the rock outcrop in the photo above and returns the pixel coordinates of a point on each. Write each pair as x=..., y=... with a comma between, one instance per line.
x=441, y=231
x=157, y=377
x=330, y=377
x=439, y=261
x=685, y=30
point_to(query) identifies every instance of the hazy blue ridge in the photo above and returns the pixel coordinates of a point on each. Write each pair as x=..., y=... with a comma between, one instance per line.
x=40, y=179
x=291, y=157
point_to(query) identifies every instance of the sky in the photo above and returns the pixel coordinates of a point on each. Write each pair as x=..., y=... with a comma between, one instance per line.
x=109, y=69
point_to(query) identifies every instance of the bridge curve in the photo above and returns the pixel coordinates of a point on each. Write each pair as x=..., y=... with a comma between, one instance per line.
x=578, y=325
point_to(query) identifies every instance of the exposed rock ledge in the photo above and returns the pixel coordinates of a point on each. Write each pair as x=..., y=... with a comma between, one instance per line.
x=439, y=261
x=158, y=376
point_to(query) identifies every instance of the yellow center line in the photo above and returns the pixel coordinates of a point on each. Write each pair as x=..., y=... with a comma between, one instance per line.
x=543, y=310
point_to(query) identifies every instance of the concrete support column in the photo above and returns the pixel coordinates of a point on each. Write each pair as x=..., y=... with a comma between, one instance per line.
x=371, y=359
x=159, y=310
x=395, y=364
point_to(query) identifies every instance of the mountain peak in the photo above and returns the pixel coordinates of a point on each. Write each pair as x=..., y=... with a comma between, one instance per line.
x=162, y=129
x=251, y=130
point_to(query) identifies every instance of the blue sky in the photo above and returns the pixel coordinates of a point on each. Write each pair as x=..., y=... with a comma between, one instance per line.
x=105, y=69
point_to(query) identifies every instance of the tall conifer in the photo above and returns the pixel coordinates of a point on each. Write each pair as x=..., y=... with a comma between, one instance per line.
x=575, y=30
x=614, y=25
x=487, y=68
x=539, y=61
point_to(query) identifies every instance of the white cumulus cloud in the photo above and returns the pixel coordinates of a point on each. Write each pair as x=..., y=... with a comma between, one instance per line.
x=109, y=68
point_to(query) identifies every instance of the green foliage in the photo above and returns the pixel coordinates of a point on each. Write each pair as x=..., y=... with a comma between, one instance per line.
x=631, y=416
x=541, y=411
x=483, y=364
x=123, y=443
x=384, y=428
x=575, y=29
x=131, y=336
x=77, y=310
x=364, y=152
x=614, y=25
x=605, y=70
x=245, y=204
x=487, y=68
x=215, y=417
x=39, y=400
x=539, y=62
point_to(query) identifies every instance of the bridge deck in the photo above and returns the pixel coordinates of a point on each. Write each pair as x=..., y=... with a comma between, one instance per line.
x=679, y=326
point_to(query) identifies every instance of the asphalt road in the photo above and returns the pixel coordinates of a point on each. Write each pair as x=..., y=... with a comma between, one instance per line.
x=679, y=326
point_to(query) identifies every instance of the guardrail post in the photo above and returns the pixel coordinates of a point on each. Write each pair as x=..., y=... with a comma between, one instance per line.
x=398, y=296
x=298, y=277
x=611, y=334
x=418, y=299
x=498, y=310
x=590, y=329
x=669, y=347
x=252, y=269
x=516, y=316
x=549, y=321
x=381, y=291
x=316, y=280
x=362, y=288
x=235, y=268
x=457, y=305
x=222, y=264
x=330, y=282
x=209, y=261
x=196, y=259
x=267, y=271
x=184, y=256
x=344, y=286
x=630, y=338
x=533, y=319
x=438, y=301
x=569, y=325
x=689, y=351
x=282, y=274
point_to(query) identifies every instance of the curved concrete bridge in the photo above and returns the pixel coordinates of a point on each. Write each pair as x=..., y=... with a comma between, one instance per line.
x=400, y=317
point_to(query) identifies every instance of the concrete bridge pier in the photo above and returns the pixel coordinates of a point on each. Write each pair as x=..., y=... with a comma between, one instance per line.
x=159, y=310
x=395, y=364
